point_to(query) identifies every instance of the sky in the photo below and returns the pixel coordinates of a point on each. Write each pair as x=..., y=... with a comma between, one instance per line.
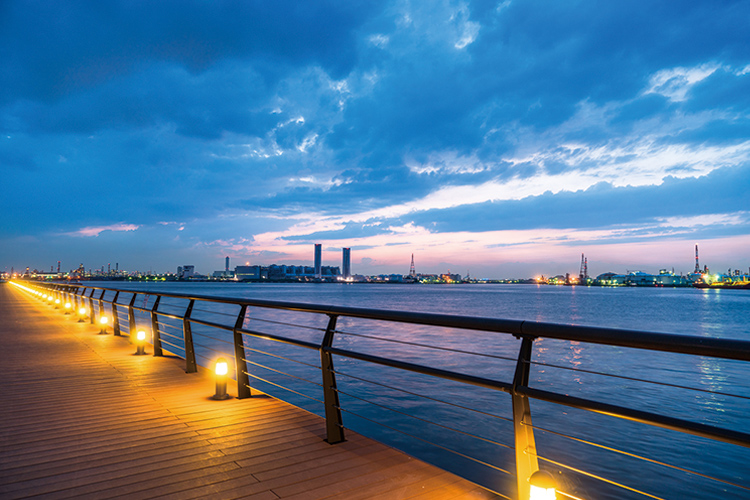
x=496, y=138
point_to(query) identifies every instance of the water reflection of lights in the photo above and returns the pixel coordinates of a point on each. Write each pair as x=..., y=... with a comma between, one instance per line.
x=713, y=377
x=575, y=359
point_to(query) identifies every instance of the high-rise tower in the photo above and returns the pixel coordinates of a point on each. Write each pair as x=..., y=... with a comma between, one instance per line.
x=318, y=259
x=412, y=271
x=697, y=266
x=583, y=275
x=226, y=265
x=347, y=262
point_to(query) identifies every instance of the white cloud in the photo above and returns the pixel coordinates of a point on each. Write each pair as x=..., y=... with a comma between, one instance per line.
x=447, y=162
x=313, y=181
x=503, y=5
x=467, y=30
x=97, y=230
x=642, y=164
x=308, y=142
x=706, y=220
x=675, y=83
x=379, y=40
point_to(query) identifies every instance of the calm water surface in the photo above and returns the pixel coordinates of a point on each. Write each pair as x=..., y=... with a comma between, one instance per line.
x=382, y=411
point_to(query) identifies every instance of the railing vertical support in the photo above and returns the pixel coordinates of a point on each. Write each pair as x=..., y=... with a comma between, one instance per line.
x=187, y=331
x=243, y=381
x=101, y=303
x=155, y=328
x=131, y=318
x=334, y=424
x=91, y=306
x=115, y=317
x=526, y=458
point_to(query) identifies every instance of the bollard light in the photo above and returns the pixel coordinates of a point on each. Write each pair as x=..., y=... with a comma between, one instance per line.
x=49, y=299
x=57, y=303
x=68, y=307
x=140, y=342
x=221, y=370
x=103, y=323
x=82, y=314
x=543, y=486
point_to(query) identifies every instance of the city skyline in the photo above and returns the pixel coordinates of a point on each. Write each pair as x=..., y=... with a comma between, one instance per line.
x=345, y=271
x=498, y=139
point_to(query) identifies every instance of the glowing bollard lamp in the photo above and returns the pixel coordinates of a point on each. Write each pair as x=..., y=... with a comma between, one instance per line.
x=103, y=322
x=57, y=303
x=82, y=315
x=140, y=343
x=543, y=486
x=221, y=371
x=68, y=307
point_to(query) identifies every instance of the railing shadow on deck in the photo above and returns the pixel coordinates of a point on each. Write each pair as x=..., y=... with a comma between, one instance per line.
x=425, y=383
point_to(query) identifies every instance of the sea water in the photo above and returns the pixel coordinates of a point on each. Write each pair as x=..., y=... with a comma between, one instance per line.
x=428, y=429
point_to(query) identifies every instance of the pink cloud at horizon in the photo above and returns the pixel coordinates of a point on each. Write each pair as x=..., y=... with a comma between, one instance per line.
x=543, y=252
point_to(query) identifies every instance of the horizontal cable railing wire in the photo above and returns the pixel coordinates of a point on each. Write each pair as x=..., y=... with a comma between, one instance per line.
x=168, y=325
x=442, y=401
x=220, y=313
x=435, y=347
x=413, y=367
x=173, y=345
x=598, y=478
x=645, y=417
x=282, y=373
x=431, y=443
x=211, y=337
x=169, y=335
x=207, y=347
x=278, y=356
x=256, y=377
x=638, y=457
x=634, y=379
x=436, y=424
x=283, y=323
x=279, y=338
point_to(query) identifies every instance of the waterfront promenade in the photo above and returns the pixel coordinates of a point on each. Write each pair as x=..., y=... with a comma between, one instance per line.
x=83, y=417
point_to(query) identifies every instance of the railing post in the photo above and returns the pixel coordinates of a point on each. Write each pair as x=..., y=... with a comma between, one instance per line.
x=243, y=381
x=131, y=318
x=526, y=458
x=188, y=335
x=91, y=306
x=334, y=424
x=115, y=318
x=155, y=328
x=101, y=303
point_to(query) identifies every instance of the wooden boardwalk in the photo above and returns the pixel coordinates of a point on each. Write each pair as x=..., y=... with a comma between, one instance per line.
x=82, y=417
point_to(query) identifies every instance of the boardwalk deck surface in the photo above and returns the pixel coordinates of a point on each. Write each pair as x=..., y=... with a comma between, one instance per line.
x=82, y=417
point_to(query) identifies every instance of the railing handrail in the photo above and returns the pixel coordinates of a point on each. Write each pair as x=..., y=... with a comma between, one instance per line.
x=638, y=339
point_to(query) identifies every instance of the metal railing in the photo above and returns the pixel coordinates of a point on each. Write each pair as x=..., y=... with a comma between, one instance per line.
x=378, y=376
